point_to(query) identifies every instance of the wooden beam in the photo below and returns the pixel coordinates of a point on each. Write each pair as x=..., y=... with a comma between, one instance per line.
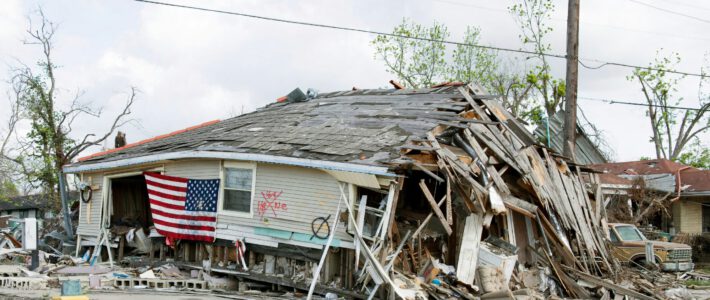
x=434, y=207
x=449, y=210
x=430, y=173
x=616, y=288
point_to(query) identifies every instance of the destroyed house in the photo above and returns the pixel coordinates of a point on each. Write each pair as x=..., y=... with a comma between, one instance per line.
x=420, y=181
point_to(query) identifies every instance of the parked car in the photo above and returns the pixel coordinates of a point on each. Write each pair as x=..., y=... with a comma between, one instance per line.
x=629, y=246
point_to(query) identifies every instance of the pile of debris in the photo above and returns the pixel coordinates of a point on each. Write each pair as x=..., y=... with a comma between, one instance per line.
x=526, y=223
x=478, y=209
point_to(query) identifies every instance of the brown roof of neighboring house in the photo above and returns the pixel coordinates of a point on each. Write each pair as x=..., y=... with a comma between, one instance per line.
x=695, y=179
x=614, y=179
x=640, y=167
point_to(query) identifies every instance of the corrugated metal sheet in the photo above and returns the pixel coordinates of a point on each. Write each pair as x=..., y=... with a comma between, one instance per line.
x=585, y=151
x=658, y=182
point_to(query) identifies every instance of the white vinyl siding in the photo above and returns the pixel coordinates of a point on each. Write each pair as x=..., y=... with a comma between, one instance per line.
x=291, y=198
x=287, y=198
x=90, y=213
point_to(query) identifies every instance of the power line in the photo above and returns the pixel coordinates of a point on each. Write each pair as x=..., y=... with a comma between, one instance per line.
x=613, y=101
x=688, y=5
x=352, y=29
x=503, y=11
x=670, y=11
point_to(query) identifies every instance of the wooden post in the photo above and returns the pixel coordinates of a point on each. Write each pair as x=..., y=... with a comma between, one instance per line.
x=162, y=252
x=121, y=244
x=571, y=84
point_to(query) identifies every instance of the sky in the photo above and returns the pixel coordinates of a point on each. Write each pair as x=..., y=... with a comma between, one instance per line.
x=191, y=67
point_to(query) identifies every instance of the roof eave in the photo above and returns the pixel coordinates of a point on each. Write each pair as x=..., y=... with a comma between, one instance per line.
x=293, y=161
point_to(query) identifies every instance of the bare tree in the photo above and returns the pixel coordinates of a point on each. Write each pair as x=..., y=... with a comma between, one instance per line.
x=673, y=129
x=48, y=145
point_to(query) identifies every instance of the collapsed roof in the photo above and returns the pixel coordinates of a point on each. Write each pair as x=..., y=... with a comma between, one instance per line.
x=359, y=126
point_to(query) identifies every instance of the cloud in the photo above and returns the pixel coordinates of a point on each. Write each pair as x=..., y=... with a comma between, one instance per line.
x=194, y=66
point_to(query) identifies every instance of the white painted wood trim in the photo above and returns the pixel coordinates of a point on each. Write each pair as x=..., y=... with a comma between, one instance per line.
x=220, y=198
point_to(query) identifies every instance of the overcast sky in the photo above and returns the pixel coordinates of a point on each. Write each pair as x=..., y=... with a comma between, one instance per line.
x=193, y=66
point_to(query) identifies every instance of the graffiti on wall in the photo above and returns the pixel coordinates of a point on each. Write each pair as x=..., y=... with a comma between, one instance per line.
x=270, y=203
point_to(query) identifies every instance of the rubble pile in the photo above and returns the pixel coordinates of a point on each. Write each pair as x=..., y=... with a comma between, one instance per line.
x=478, y=209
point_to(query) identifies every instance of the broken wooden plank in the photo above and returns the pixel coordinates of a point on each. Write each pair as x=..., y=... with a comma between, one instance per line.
x=498, y=180
x=434, y=207
x=616, y=288
x=520, y=206
x=430, y=173
x=449, y=210
x=468, y=254
x=476, y=108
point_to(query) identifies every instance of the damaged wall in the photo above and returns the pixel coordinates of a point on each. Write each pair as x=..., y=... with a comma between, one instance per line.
x=285, y=201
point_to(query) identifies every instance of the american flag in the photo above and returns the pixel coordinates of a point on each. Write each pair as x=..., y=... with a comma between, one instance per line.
x=183, y=208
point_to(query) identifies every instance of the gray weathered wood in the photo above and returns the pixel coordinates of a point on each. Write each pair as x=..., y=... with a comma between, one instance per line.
x=435, y=207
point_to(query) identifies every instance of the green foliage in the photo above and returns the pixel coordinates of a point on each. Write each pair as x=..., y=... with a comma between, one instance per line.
x=694, y=282
x=416, y=54
x=697, y=155
x=532, y=17
x=419, y=58
x=8, y=189
x=473, y=64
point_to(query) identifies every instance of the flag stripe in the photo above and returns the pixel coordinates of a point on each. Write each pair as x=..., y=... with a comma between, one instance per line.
x=181, y=230
x=166, y=205
x=168, y=193
x=168, y=179
x=183, y=217
x=184, y=226
x=179, y=213
x=183, y=208
x=181, y=188
x=166, y=200
x=177, y=222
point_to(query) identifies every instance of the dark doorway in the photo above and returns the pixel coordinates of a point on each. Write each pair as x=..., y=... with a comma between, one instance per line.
x=130, y=202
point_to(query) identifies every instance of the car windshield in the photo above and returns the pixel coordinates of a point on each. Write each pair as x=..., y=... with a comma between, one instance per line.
x=629, y=233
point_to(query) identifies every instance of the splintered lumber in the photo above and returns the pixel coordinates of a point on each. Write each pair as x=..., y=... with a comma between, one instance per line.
x=430, y=173
x=378, y=269
x=449, y=210
x=496, y=201
x=435, y=207
x=616, y=288
x=468, y=254
x=426, y=221
x=362, y=208
x=520, y=206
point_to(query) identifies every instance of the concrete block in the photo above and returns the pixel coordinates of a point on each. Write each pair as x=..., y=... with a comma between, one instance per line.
x=23, y=283
x=10, y=271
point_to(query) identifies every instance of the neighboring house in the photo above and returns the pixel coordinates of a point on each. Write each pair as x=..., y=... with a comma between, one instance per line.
x=30, y=206
x=687, y=188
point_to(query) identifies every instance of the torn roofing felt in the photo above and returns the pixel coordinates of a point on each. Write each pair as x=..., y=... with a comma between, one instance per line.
x=360, y=126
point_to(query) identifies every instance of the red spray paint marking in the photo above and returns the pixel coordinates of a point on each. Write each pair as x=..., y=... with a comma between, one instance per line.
x=271, y=201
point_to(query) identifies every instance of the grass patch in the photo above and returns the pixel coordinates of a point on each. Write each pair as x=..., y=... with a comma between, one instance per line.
x=697, y=282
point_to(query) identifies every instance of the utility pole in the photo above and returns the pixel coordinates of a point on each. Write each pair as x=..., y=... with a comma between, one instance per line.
x=571, y=81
